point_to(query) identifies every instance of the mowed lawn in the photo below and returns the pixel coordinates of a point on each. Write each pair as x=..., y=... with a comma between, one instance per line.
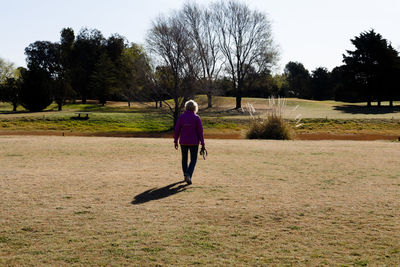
x=115, y=201
x=222, y=121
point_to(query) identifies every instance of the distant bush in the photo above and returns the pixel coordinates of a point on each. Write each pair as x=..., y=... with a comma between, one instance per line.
x=272, y=126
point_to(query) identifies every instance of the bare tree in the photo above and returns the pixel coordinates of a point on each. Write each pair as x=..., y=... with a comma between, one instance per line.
x=169, y=40
x=200, y=24
x=245, y=40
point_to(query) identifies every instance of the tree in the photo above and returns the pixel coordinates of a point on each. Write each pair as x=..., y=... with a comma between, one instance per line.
x=43, y=62
x=163, y=83
x=102, y=81
x=372, y=65
x=106, y=77
x=245, y=40
x=115, y=47
x=88, y=47
x=136, y=73
x=56, y=60
x=257, y=84
x=44, y=55
x=169, y=40
x=9, y=83
x=202, y=31
x=7, y=70
x=344, y=85
x=321, y=85
x=10, y=91
x=63, y=84
x=35, y=94
x=298, y=80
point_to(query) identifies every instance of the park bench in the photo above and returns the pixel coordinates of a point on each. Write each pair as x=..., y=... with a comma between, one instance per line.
x=83, y=113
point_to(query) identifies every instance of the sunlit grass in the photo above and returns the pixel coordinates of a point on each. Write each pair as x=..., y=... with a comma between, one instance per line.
x=69, y=201
x=117, y=117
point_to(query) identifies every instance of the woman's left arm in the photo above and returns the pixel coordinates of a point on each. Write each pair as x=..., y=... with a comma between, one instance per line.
x=177, y=132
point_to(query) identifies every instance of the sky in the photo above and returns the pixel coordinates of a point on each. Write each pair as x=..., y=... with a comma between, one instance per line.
x=314, y=32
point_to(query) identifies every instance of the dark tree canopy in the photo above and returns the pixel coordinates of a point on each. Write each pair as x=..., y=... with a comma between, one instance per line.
x=43, y=55
x=373, y=67
x=321, y=84
x=35, y=94
x=88, y=47
x=298, y=80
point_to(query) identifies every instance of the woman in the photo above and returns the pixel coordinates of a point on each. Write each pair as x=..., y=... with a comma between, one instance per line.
x=189, y=131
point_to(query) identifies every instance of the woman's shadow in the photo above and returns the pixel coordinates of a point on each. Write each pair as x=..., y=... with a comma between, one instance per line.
x=158, y=193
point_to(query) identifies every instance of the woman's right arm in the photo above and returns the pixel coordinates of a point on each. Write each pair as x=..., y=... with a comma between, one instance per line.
x=200, y=132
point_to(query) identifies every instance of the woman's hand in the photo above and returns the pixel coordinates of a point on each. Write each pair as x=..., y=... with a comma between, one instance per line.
x=176, y=146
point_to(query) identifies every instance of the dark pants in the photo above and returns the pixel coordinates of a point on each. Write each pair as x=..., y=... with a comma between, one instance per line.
x=188, y=170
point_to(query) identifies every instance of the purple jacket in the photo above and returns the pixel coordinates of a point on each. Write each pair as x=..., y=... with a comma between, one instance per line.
x=189, y=129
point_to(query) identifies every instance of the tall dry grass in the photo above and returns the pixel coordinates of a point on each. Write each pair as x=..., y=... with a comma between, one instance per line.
x=272, y=125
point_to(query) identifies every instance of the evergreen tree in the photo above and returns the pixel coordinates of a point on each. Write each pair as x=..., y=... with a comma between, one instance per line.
x=321, y=85
x=103, y=79
x=298, y=80
x=372, y=66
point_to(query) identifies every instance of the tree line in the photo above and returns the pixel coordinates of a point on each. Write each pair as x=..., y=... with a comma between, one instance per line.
x=86, y=66
x=370, y=73
x=224, y=48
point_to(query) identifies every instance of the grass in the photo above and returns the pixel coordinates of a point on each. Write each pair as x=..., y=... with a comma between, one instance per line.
x=382, y=126
x=71, y=201
x=117, y=119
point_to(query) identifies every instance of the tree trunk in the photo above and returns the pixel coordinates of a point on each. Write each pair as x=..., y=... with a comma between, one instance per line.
x=238, y=102
x=176, y=114
x=156, y=104
x=239, y=96
x=160, y=104
x=379, y=104
x=59, y=107
x=83, y=100
x=129, y=104
x=15, y=105
x=391, y=103
x=209, y=98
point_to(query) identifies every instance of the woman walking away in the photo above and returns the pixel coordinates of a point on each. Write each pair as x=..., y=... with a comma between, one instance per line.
x=189, y=131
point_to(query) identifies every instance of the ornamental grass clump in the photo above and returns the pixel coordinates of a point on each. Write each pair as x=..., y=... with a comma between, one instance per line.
x=272, y=125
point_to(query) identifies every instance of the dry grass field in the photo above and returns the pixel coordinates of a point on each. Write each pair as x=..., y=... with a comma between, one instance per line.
x=79, y=201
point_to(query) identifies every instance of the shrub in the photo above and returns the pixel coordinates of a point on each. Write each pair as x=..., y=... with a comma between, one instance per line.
x=271, y=126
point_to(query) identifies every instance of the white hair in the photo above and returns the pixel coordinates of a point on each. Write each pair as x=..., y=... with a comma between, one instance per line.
x=192, y=106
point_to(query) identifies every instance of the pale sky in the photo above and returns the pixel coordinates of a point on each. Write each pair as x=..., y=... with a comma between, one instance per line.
x=313, y=32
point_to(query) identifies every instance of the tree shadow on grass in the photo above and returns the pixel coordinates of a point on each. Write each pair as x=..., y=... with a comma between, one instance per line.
x=355, y=109
x=158, y=193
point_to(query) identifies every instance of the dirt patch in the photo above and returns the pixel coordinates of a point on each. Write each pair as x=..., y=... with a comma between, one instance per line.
x=145, y=134
x=213, y=135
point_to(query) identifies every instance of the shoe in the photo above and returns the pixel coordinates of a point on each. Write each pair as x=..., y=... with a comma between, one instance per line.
x=186, y=178
x=189, y=180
